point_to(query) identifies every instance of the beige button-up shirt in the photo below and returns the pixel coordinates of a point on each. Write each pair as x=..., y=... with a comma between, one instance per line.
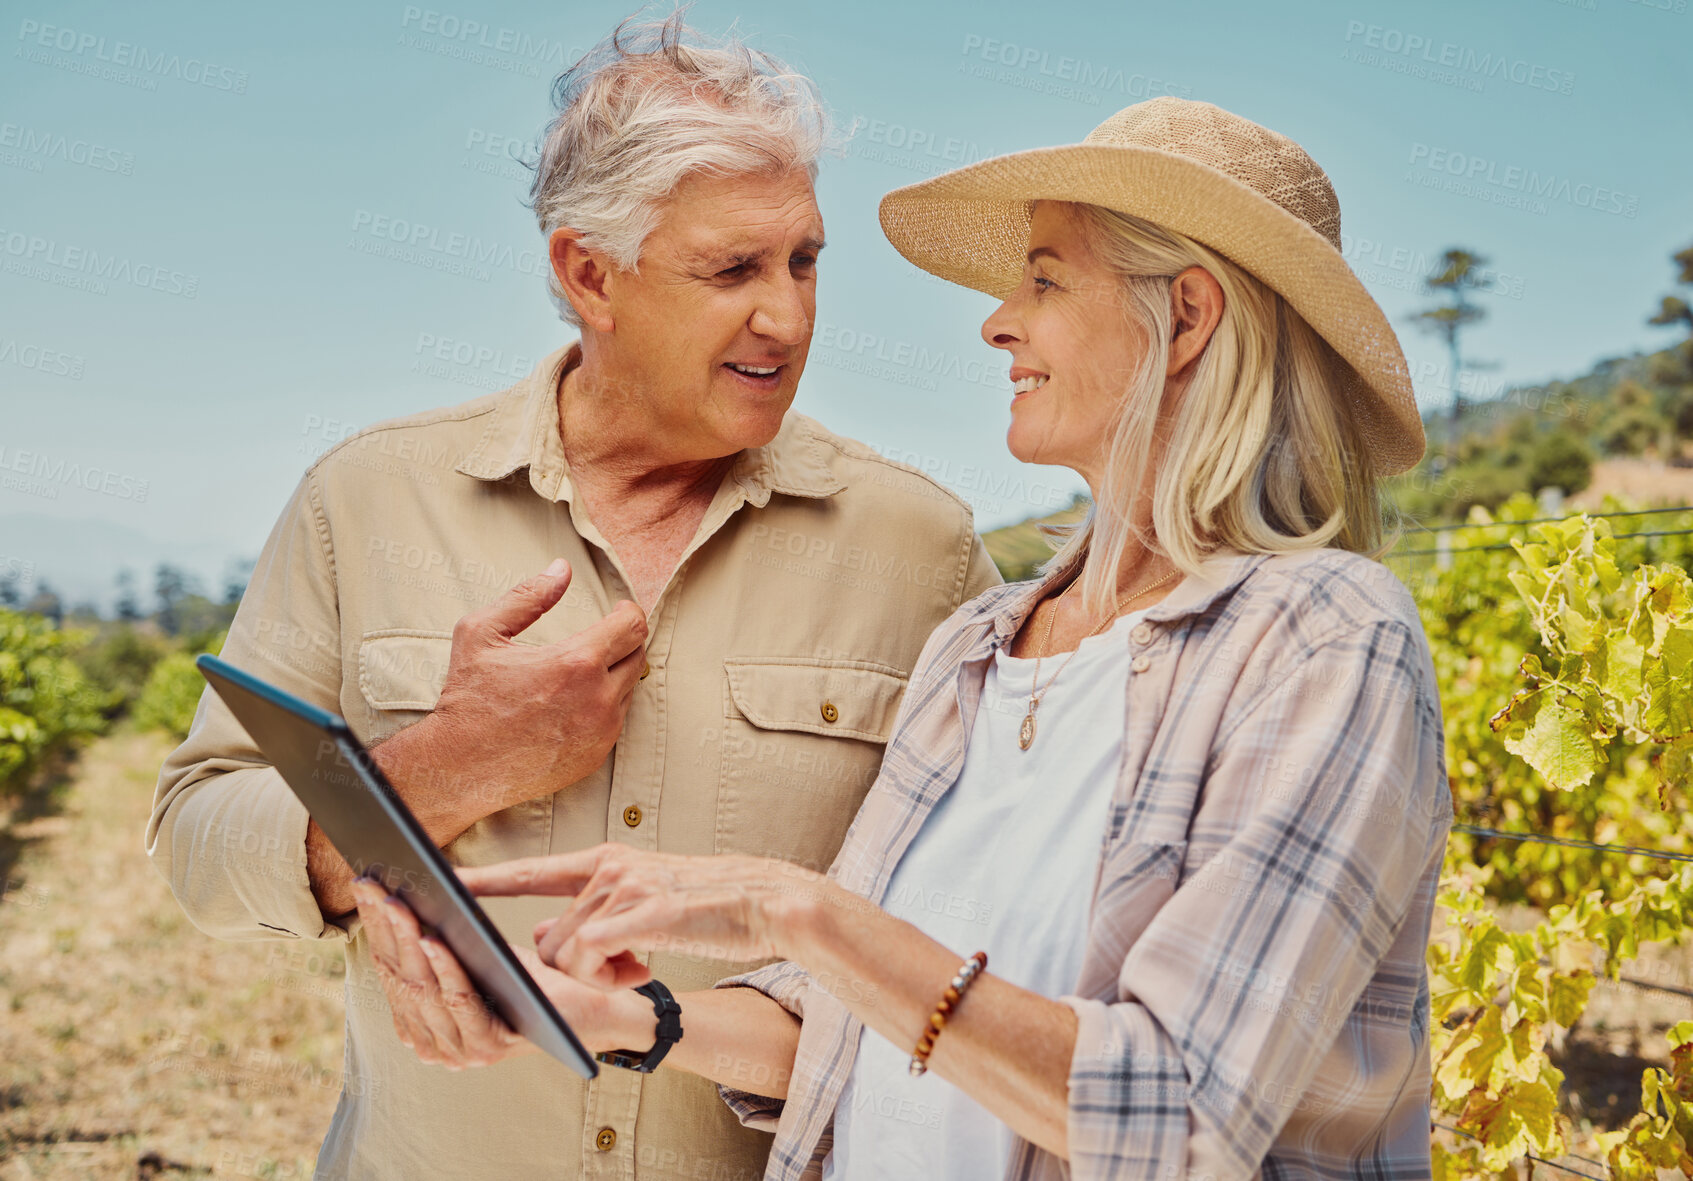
x=778, y=655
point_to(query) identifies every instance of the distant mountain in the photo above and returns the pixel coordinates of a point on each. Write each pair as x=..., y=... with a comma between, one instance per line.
x=1018, y=549
x=87, y=553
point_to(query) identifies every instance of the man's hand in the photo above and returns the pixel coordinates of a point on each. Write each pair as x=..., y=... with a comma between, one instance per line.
x=516, y=721
x=441, y=1016
x=513, y=722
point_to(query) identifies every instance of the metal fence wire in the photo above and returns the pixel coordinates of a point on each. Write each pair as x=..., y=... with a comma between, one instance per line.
x=1443, y=549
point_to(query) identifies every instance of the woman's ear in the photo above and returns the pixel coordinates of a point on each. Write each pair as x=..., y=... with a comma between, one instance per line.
x=1196, y=308
x=584, y=278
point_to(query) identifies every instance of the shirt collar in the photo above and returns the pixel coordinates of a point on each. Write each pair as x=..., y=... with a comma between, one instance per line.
x=523, y=432
x=1219, y=574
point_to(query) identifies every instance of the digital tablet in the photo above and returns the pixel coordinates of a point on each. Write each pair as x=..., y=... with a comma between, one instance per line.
x=369, y=825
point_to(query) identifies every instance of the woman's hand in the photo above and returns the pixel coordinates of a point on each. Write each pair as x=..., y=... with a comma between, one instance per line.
x=441, y=1016
x=630, y=900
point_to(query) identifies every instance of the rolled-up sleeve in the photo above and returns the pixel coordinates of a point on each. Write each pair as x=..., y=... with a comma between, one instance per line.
x=784, y=982
x=225, y=830
x=1281, y=979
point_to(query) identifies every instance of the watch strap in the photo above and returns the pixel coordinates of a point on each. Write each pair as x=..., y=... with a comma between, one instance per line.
x=669, y=1032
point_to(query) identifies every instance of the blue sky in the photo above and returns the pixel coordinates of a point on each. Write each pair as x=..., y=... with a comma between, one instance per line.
x=189, y=193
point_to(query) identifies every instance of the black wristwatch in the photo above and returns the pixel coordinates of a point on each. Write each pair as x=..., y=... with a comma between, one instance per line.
x=669, y=1032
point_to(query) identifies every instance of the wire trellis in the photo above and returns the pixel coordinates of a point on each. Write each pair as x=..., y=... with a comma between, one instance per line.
x=1571, y=843
x=1466, y=549
x=1639, y=512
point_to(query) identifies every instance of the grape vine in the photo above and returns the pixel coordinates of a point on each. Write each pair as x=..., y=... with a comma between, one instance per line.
x=1569, y=703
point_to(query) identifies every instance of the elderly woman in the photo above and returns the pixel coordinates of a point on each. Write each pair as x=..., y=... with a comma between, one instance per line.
x=1147, y=874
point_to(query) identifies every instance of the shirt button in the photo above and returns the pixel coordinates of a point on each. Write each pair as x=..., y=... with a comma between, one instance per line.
x=645, y=669
x=1140, y=663
x=606, y=1140
x=632, y=816
x=1141, y=633
x=830, y=713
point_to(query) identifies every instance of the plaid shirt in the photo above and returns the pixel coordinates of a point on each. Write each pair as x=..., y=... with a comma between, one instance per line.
x=1253, y=1000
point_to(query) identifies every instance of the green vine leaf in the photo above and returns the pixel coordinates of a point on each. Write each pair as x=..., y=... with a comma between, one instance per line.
x=1548, y=730
x=1669, y=687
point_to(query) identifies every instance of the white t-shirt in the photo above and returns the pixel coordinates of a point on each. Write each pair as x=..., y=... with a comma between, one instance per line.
x=1005, y=864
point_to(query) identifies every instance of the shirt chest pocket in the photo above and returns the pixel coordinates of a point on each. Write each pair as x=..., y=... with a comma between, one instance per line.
x=800, y=746
x=401, y=671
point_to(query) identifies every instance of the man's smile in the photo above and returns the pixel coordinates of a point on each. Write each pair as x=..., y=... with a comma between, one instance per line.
x=764, y=378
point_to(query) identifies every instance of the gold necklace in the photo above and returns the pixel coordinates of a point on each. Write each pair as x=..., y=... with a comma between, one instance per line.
x=1026, y=733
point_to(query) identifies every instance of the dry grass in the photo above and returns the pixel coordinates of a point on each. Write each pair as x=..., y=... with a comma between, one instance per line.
x=131, y=1044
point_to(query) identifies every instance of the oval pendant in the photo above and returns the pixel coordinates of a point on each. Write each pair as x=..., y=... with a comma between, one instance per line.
x=1026, y=735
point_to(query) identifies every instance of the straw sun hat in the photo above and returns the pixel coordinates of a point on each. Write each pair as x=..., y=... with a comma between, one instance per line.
x=1243, y=190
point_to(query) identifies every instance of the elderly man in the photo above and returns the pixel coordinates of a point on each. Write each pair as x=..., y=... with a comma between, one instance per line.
x=729, y=600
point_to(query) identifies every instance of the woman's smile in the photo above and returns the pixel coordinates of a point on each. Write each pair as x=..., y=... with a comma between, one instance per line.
x=1025, y=382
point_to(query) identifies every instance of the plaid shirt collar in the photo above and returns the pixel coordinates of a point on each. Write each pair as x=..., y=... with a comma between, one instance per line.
x=1002, y=611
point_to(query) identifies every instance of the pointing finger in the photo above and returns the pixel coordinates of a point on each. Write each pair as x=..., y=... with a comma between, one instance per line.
x=555, y=874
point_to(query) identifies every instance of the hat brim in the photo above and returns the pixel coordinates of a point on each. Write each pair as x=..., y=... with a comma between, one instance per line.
x=971, y=226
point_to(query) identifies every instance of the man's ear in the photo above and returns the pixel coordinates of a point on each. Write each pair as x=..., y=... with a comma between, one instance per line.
x=584, y=277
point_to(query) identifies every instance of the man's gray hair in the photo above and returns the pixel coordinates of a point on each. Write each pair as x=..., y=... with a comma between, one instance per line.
x=651, y=105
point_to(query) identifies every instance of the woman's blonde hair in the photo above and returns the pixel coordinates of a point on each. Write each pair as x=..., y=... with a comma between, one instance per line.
x=1261, y=455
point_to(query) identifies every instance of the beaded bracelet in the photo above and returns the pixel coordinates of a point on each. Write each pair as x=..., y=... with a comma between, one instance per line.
x=967, y=972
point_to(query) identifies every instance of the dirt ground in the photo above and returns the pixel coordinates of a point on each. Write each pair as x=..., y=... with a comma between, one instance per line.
x=1637, y=481
x=131, y=1045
